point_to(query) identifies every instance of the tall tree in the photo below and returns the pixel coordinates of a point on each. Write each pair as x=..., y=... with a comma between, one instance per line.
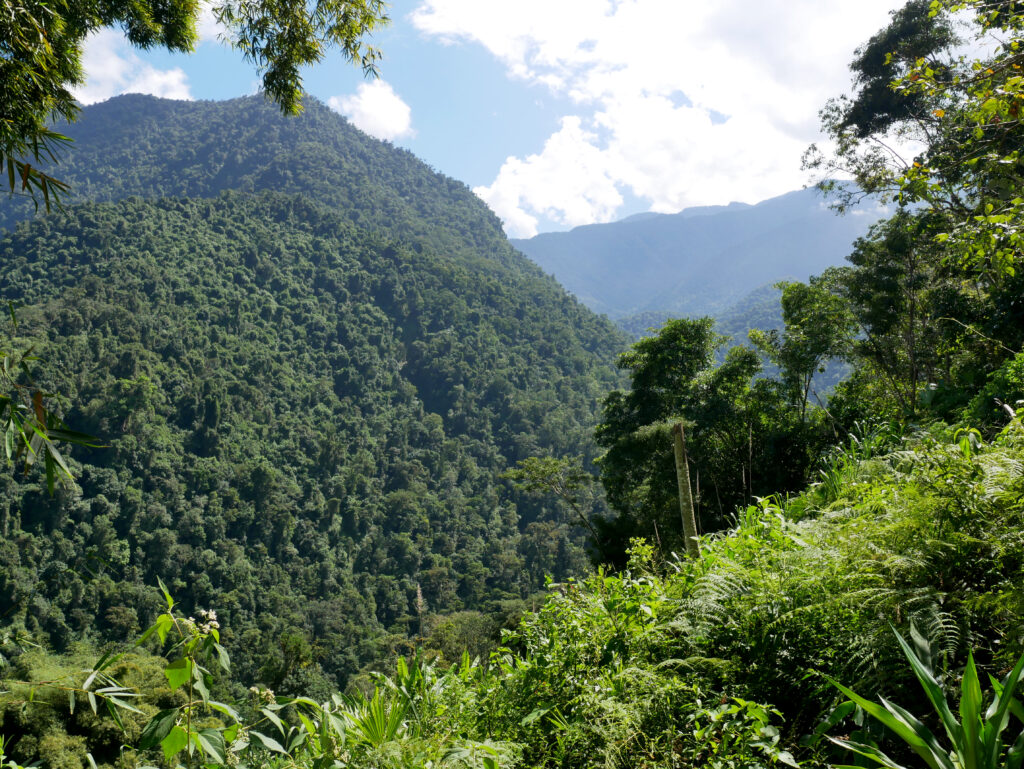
x=733, y=424
x=913, y=89
x=818, y=328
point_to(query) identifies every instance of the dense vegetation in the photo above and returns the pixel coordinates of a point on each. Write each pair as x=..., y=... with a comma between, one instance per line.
x=663, y=663
x=305, y=425
x=912, y=519
x=142, y=146
x=305, y=408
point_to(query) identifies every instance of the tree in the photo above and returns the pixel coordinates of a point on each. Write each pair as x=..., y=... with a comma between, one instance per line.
x=819, y=327
x=566, y=480
x=936, y=289
x=898, y=290
x=915, y=90
x=40, y=62
x=30, y=427
x=41, y=49
x=733, y=425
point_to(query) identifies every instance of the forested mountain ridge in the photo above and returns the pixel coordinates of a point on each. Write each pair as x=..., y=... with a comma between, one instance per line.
x=306, y=400
x=136, y=145
x=700, y=261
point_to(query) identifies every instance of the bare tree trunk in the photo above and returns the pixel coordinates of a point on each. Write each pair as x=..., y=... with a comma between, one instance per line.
x=685, y=495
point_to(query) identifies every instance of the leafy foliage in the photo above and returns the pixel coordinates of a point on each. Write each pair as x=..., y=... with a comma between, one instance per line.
x=977, y=739
x=735, y=423
x=42, y=51
x=304, y=426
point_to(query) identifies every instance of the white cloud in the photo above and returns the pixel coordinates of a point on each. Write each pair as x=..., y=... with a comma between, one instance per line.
x=112, y=67
x=768, y=66
x=207, y=26
x=376, y=109
x=566, y=182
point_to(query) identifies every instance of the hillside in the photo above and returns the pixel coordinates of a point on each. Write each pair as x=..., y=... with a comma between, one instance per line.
x=306, y=404
x=700, y=261
x=137, y=145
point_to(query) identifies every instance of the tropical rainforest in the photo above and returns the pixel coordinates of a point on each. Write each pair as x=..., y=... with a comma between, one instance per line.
x=310, y=468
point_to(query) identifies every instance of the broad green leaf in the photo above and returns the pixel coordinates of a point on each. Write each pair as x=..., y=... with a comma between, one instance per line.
x=998, y=713
x=268, y=742
x=787, y=758
x=178, y=672
x=337, y=725
x=1015, y=754
x=211, y=742
x=970, y=715
x=930, y=740
x=158, y=728
x=935, y=695
x=534, y=715
x=175, y=742
x=164, y=623
x=307, y=723
x=167, y=595
x=273, y=718
x=222, y=657
x=225, y=709
x=200, y=684
x=868, y=751
x=896, y=724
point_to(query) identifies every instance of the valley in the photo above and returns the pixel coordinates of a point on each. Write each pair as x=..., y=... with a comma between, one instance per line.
x=311, y=466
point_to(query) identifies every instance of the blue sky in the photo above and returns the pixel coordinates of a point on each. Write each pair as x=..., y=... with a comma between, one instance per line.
x=566, y=112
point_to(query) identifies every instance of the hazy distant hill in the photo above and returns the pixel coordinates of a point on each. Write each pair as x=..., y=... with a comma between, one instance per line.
x=700, y=261
x=310, y=364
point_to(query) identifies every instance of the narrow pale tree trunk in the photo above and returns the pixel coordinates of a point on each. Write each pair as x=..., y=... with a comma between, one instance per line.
x=685, y=495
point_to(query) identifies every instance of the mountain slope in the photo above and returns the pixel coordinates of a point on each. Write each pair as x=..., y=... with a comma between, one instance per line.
x=699, y=261
x=306, y=406
x=137, y=145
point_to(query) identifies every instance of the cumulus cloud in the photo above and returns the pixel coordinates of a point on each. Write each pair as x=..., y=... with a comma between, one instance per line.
x=681, y=103
x=207, y=26
x=376, y=109
x=112, y=67
x=566, y=181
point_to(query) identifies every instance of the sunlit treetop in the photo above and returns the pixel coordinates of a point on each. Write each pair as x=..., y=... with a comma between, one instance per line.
x=960, y=117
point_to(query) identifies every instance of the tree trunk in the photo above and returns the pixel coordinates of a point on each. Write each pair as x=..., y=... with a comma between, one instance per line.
x=685, y=495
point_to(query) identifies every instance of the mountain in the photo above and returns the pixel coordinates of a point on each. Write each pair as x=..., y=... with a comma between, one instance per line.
x=699, y=261
x=137, y=145
x=309, y=358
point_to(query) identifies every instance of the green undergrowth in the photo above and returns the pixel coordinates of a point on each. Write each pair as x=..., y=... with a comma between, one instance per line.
x=722, y=661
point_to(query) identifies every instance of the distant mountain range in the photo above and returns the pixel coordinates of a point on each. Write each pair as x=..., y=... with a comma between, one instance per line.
x=700, y=261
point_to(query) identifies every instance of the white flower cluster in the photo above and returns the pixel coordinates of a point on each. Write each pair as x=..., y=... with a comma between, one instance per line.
x=262, y=694
x=207, y=621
